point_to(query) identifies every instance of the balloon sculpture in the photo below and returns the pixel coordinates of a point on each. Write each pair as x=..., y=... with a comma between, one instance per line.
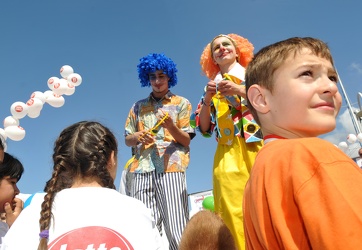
x=208, y=203
x=32, y=108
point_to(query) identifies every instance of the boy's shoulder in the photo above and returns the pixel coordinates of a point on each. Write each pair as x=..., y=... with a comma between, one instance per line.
x=299, y=158
x=302, y=148
x=307, y=141
x=176, y=96
x=142, y=102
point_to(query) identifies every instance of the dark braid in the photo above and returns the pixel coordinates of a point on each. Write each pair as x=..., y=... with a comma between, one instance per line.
x=82, y=150
x=45, y=215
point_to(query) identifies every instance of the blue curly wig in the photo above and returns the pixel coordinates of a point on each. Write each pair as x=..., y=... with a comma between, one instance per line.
x=153, y=62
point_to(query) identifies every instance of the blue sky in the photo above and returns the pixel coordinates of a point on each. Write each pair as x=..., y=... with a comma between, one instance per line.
x=103, y=41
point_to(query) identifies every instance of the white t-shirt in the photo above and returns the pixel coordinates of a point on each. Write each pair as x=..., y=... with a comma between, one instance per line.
x=3, y=230
x=87, y=218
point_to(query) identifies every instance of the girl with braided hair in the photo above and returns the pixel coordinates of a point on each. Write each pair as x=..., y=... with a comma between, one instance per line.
x=82, y=186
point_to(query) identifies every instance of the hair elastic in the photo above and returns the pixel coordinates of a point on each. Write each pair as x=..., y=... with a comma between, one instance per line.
x=44, y=234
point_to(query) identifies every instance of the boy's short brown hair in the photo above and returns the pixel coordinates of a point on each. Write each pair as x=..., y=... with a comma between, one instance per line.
x=261, y=69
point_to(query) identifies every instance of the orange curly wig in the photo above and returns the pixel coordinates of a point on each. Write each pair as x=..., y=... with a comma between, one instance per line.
x=244, y=50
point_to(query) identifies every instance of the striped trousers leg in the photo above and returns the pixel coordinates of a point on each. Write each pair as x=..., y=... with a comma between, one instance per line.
x=166, y=195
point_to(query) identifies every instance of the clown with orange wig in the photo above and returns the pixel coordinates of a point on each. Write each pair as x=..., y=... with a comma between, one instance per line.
x=222, y=110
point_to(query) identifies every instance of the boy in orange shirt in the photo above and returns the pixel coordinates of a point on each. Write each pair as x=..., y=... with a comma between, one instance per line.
x=303, y=192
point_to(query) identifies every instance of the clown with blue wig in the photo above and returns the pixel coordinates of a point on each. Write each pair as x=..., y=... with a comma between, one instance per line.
x=159, y=132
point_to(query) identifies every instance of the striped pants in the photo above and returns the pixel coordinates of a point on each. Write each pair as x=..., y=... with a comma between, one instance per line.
x=166, y=195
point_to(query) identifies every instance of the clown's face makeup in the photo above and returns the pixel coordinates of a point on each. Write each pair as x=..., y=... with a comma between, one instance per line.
x=223, y=51
x=159, y=83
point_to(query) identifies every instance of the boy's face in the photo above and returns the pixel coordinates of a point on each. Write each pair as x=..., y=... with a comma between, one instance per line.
x=305, y=99
x=8, y=191
x=159, y=83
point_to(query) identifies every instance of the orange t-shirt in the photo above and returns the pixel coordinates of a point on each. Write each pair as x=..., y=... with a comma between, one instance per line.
x=303, y=194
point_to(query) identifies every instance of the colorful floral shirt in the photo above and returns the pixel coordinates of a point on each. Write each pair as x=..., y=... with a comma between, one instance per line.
x=165, y=155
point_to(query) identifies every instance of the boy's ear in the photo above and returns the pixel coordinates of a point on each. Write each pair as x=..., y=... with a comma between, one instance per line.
x=256, y=96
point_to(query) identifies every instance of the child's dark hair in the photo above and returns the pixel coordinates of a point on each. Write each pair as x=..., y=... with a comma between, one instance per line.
x=82, y=150
x=11, y=167
x=2, y=143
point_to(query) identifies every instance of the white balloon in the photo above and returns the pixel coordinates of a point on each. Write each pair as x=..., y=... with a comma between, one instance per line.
x=55, y=100
x=2, y=133
x=351, y=138
x=75, y=79
x=11, y=121
x=359, y=137
x=15, y=133
x=39, y=95
x=66, y=70
x=47, y=94
x=34, y=113
x=51, y=81
x=343, y=145
x=70, y=89
x=34, y=104
x=60, y=87
x=19, y=109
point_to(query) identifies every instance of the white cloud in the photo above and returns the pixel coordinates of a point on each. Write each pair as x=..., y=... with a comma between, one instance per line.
x=357, y=67
x=343, y=129
x=345, y=121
